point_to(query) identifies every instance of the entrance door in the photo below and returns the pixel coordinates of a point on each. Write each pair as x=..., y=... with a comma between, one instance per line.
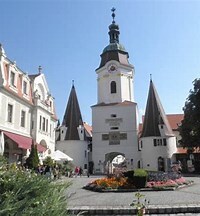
x=161, y=164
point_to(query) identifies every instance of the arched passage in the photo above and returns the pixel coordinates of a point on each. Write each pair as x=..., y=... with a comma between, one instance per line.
x=114, y=161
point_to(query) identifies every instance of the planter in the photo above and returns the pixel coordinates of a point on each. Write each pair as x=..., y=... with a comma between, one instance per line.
x=140, y=181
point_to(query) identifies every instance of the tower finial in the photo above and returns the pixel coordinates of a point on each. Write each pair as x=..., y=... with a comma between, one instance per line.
x=40, y=69
x=72, y=82
x=113, y=14
x=150, y=77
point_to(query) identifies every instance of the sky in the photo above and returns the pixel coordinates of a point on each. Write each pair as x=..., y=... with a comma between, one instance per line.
x=67, y=37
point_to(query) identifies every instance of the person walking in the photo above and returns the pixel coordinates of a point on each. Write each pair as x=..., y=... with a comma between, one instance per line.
x=76, y=171
x=80, y=171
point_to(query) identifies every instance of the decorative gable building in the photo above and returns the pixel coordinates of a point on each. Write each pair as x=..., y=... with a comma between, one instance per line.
x=27, y=112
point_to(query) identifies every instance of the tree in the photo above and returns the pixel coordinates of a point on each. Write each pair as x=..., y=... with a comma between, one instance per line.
x=190, y=125
x=33, y=160
x=48, y=161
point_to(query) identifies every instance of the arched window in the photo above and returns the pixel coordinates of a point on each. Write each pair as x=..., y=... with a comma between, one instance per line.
x=113, y=87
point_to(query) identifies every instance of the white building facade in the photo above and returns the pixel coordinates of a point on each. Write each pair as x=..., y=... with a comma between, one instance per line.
x=27, y=112
x=157, y=141
x=114, y=117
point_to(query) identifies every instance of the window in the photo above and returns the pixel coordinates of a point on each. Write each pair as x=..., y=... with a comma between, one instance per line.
x=43, y=124
x=32, y=126
x=113, y=87
x=23, y=117
x=114, y=128
x=25, y=87
x=160, y=142
x=47, y=125
x=12, y=78
x=40, y=122
x=113, y=115
x=131, y=161
x=10, y=113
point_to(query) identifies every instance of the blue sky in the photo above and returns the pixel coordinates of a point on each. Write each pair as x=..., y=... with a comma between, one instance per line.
x=67, y=37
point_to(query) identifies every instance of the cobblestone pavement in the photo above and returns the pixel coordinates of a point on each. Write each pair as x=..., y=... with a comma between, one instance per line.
x=80, y=198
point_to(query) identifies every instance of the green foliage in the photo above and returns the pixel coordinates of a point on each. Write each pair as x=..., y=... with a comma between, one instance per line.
x=141, y=205
x=24, y=194
x=190, y=126
x=33, y=160
x=67, y=166
x=48, y=161
x=140, y=173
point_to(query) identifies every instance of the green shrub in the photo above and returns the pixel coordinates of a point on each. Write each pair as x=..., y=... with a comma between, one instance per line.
x=24, y=193
x=140, y=173
x=140, y=178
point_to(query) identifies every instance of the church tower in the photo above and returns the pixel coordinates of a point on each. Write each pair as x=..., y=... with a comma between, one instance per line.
x=114, y=117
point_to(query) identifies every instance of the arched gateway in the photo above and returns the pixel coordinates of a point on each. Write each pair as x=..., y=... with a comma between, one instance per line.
x=114, y=161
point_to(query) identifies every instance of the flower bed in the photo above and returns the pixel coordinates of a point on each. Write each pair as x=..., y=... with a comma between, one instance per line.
x=156, y=181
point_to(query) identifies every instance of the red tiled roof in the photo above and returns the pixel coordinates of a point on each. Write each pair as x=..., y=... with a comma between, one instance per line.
x=181, y=150
x=88, y=128
x=175, y=120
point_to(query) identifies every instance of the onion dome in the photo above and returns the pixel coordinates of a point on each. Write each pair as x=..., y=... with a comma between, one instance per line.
x=114, y=50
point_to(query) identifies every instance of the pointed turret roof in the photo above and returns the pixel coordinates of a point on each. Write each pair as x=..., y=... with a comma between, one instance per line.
x=155, y=116
x=72, y=118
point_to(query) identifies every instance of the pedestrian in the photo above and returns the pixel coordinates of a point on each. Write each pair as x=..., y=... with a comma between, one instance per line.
x=80, y=171
x=55, y=172
x=76, y=171
x=47, y=172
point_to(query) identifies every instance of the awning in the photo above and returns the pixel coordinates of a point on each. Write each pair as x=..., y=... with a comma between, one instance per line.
x=59, y=155
x=23, y=141
x=41, y=148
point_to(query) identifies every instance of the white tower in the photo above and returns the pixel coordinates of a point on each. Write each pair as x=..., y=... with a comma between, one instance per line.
x=157, y=141
x=114, y=117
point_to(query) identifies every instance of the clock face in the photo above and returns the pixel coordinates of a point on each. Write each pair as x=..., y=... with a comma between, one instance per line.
x=112, y=68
